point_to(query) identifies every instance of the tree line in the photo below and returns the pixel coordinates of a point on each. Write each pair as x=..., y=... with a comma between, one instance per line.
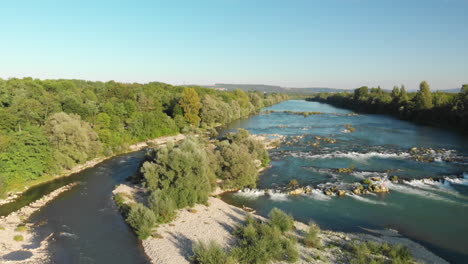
x=423, y=106
x=48, y=126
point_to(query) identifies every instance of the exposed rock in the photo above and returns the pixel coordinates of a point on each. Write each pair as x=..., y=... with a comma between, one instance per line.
x=297, y=191
x=341, y=192
x=378, y=188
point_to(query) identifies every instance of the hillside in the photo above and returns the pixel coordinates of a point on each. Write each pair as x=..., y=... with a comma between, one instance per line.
x=274, y=88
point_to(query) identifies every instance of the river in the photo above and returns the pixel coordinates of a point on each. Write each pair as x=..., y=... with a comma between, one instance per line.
x=432, y=213
x=87, y=227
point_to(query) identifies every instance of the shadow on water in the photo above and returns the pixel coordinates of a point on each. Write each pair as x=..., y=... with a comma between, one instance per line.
x=85, y=224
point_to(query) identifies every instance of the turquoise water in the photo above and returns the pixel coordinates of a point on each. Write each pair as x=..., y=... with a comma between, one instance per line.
x=432, y=213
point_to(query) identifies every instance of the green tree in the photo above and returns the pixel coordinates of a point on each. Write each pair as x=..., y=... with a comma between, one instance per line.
x=403, y=94
x=361, y=93
x=190, y=103
x=73, y=140
x=26, y=155
x=423, y=98
x=181, y=173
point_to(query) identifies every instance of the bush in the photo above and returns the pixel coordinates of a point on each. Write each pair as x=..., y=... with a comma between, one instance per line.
x=142, y=220
x=281, y=220
x=163, y=207
x=120, y=202
x=312, y=239
x=372, y=252
x=262, y=243
x=367, y=181
x=211, y=253
x=18, y=238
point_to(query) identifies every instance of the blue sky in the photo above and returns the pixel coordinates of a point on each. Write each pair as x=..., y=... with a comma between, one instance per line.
x=295, y=43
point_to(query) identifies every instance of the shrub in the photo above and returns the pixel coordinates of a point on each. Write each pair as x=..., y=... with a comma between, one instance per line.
x=312, y=239
x=21, y=228
x=262, y=243
x=372, y=252
x=142, y=220
x=211, y=253
x=163, y=206
x=281, y=220
x=367, y=181
x=293, y=184
x=18, y=238
x=120, y=202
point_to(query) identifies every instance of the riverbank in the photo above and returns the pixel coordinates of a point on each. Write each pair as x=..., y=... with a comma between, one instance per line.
x=17, y=244
x=174, y=241
x=12, y=195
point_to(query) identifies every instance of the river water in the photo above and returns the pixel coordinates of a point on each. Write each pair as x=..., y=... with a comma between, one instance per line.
x=433, y=213
x=87, y=227
x=85, y=223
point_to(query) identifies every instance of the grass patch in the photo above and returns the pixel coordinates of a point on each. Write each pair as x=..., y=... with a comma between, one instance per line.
x=312, y=239
x=192, y=210
x=372, y=252
x=18, y=238
x=21, y=228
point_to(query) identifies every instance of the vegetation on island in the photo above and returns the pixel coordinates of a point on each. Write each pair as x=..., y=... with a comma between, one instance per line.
x=277, y=240
x=256, y=242
x=48, y=126
x=432, y=108
x=182, y=175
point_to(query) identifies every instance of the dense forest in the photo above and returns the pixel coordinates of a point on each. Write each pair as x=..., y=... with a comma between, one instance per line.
x=432, y=108
x=48, y=126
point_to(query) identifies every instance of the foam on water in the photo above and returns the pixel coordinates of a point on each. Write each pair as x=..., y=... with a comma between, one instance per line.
x=352, y=155
x=277, y=196
x=69, y=235
x=367, y=174
x=251, y=193
x=318, y=195
x=460, y=181
x=408, y=189
x=430, y=185
x=366, y=200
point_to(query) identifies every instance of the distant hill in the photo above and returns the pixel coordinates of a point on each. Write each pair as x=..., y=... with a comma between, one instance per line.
x=274, y=89
x=453, y=90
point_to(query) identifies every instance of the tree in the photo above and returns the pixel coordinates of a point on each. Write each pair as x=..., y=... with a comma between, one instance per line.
x=73, y=140
x=181, y=173
x=395, y=93
x=423, y=98
x=361, y=93
x=190, y=103
x=403, y=94
x=25, y=155
x=238, y=167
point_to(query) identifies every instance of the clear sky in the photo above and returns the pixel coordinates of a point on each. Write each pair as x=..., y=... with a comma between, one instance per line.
x=295, y=43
